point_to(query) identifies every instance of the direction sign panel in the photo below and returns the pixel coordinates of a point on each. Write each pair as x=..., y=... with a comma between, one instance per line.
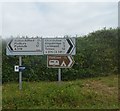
x=19, y=68
x=60, y=61
x=25, y=46
x=61, y=46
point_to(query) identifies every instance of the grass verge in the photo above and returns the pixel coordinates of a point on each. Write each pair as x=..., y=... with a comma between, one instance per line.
x=93, y=93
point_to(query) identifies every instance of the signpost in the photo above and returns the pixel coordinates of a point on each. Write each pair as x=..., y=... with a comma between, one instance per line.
x=59, y=46
x=60, y=61
x=25, y=46
x=59, y=74
x=60, y=50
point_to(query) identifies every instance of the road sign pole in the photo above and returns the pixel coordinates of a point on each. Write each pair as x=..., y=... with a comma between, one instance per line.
x=20, y=73
x=59, y=75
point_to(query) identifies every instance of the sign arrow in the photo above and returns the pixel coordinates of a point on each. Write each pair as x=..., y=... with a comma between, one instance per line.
x=71, y=46
x=9, y=45
x=71, y=61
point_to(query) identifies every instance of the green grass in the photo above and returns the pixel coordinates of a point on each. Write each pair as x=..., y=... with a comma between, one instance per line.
x=93, y=93
x=0, y=97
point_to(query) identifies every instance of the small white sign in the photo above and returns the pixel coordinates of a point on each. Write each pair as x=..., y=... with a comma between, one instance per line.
x=16, y=68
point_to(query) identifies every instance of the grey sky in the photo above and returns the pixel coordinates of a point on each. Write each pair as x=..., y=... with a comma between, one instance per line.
x=57, y=18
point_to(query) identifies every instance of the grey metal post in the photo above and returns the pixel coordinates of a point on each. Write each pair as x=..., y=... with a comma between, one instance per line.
x=59, y=74
x=20, y=73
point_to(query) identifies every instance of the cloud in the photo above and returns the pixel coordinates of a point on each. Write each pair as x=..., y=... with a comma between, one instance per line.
x=59, y=0
x=57, y=19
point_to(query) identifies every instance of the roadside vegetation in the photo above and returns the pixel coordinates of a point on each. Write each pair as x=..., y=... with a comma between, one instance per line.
x=93, y=93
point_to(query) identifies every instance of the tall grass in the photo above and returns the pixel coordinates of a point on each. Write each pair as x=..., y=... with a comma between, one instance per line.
x=88, y=93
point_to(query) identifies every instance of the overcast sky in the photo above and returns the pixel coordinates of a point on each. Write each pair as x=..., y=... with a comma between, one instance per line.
x=57, y=18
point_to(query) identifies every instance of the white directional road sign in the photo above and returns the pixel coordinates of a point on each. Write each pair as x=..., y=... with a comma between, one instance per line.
x=61, y=46
x=40, y=46
x=25, y=46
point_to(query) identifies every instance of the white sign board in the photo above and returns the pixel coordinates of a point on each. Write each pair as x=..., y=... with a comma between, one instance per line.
x=25, y=46
x=16, y=68
x=61, y=46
